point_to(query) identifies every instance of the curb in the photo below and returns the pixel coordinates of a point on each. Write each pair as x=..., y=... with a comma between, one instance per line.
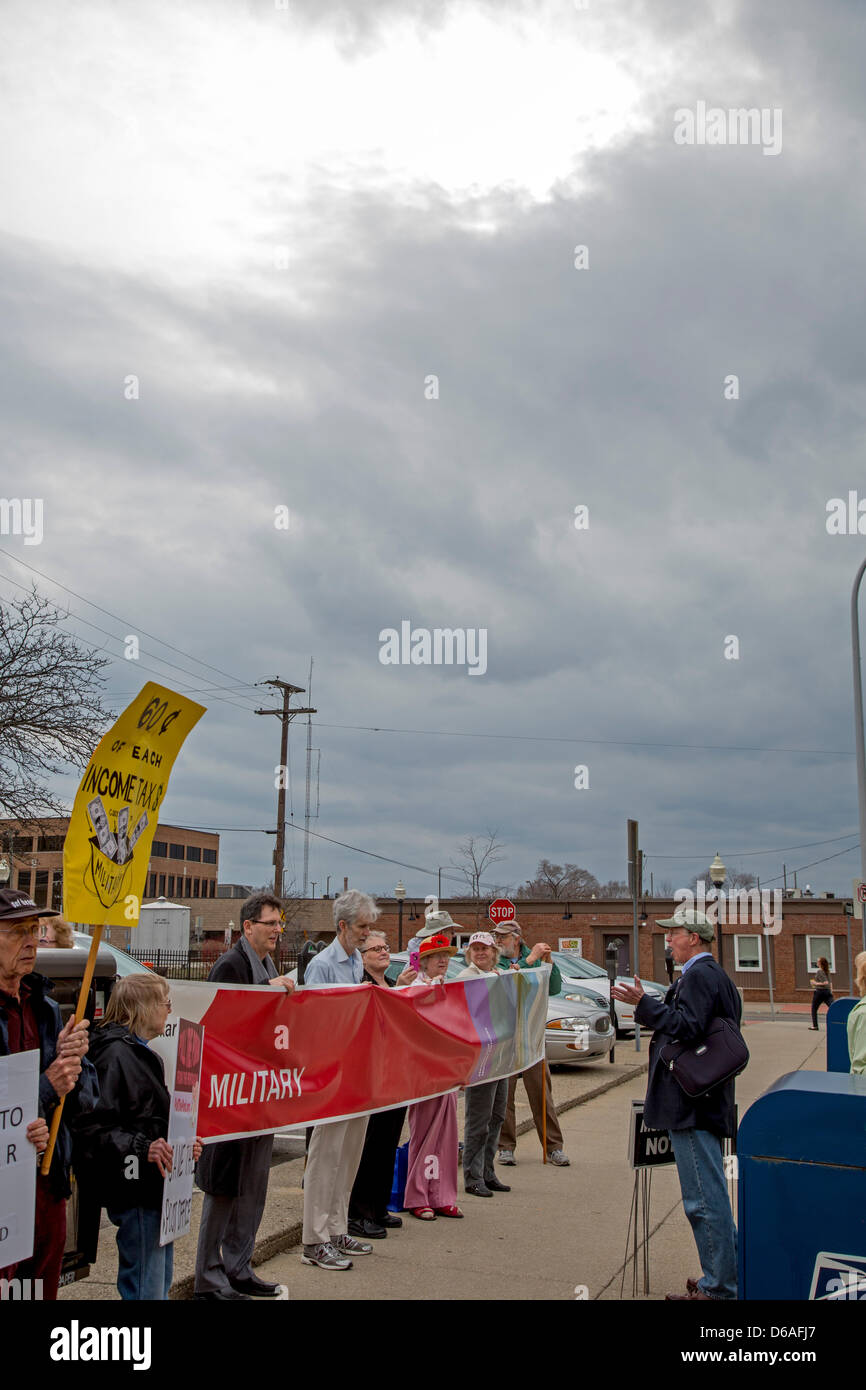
x=526, y=1126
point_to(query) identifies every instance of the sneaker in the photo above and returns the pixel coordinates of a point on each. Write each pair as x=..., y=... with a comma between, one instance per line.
x=477, y=1189
x=325, y=1256
x=506, y=1156
x=348, y=1245
x=558, y=1159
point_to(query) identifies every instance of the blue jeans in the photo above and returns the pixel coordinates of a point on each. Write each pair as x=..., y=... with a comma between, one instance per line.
x=144, y=1267
x=705, y=1201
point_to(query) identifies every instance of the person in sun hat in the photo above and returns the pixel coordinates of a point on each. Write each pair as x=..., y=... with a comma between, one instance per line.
x=486, y=1102
x=437, y=923
x=431, y=1181
x=697, y=1127
x=30, y=1021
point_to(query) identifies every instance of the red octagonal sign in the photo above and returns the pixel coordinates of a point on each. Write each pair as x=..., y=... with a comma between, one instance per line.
x=502, y=910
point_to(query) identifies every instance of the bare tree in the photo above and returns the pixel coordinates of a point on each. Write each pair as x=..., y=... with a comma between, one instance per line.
x=560, y=881
x=51, y=712
x=614, y=888
x=475, y=855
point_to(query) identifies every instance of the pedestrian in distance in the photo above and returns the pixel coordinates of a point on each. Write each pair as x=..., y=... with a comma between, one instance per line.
x=234, y=1174
x=486, y=1102
x=857, y=1019
x=821, y=991
x=369, y=1217
x=30, y=1020
x=697, y=1126
x=335, y=1149
x=122, y=1152
x=669, y=964
x=516, y=955
x=431, y=1179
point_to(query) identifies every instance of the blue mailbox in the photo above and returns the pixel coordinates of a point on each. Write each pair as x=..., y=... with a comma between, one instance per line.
x=802, y=1179
x=838, y=1056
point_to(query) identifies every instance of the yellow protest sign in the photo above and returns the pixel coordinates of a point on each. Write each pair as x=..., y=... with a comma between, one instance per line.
x=114, y=818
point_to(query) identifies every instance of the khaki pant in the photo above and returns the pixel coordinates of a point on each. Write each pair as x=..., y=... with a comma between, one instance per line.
x=538, y=1088
x=332, y=1163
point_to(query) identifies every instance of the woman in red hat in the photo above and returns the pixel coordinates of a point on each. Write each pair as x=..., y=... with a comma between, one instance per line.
x=431, y=1182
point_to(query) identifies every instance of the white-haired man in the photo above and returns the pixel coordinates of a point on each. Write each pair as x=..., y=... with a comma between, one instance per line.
x=335, y=1149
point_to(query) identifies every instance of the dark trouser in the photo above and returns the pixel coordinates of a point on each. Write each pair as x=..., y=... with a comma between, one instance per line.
x=49, y=1240
x=485, y=1110
x=819, y=997
x=227, y=1234
x=371, y=1190
x=539, y=1089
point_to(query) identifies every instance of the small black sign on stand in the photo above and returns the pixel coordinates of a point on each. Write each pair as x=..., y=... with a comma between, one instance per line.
x=647, y=1149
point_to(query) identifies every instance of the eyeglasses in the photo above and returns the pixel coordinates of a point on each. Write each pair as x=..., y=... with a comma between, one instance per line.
x=260, y=922
x=383, y=947
x=21, y=930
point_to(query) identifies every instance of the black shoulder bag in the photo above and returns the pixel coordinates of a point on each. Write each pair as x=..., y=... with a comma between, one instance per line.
x=700, y=1067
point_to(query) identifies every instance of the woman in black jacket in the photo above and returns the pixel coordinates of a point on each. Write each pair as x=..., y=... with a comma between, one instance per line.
x=123, y=1141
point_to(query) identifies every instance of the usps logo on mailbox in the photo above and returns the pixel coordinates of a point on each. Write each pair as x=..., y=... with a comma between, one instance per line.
x=838, y=1277
x=502, y=910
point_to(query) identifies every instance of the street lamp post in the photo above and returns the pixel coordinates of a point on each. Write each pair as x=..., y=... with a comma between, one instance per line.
x=860, y=743
x=399, y=894
x=717, y=874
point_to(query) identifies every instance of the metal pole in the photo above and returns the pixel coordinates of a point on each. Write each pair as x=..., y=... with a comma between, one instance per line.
x=858, y=725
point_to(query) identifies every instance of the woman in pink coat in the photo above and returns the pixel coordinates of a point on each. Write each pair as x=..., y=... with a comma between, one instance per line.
x=431, y=1182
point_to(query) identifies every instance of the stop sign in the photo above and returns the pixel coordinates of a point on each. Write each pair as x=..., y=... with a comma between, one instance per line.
x=502, y=910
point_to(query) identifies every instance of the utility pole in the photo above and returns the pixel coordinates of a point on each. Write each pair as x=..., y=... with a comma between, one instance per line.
x=286, y=715
x=635, y=877
x=307, y=800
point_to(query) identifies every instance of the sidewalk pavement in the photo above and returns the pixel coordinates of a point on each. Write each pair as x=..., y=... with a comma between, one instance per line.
x=559, y=1230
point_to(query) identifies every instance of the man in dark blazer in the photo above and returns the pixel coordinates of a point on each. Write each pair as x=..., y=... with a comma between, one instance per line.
x=234, y=1174
x=697, y=1126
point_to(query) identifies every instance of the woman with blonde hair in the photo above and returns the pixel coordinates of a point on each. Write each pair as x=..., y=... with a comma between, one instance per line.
x=123, y=1142
x=857, y=1019
x=53, y=931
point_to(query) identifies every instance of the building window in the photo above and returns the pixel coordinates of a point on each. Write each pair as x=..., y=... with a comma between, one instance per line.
x=820, y=946
x=40, y=893
x=22, y=844
x=193, y=853
x=50, y=844
x=195, y=887
x=162, y=885
x=171, y=885
x=24, y=881
x=57, y=891
x=151, y=886
x=176, y=852
x=159, y=849
x=209, y=856
x=213, y=888
x=747, y=953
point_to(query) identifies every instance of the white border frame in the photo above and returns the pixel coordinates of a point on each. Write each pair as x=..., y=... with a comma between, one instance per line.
x=750, y=969
x=826, y=936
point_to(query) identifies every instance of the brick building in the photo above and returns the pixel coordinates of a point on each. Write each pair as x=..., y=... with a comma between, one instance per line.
x=184, y=864
x=809, y=927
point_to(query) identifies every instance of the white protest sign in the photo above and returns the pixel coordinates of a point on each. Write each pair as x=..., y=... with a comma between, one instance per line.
x=183, y=1117
x=19, y=1106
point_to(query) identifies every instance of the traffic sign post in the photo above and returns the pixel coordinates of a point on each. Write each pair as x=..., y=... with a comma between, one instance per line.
x=501, y=910
x=859, y=898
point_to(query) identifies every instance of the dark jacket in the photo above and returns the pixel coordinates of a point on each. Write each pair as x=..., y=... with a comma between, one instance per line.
x=78, y=1101
x=132, y=1111
x=554, y=984
x=218, y=1169
x=703, y=993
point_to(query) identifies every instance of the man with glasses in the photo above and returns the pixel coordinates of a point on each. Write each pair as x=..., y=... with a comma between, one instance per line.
x=234, y=1174
x=516, y=955
x=335, y=1149
x=369, y=1216
x=698, y=1126
x=31, y=1021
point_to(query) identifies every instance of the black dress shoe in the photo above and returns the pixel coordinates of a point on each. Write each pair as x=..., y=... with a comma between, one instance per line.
x=496, y=1186
x=391, y=1221
x=367, y=1230
x=254, y=1287
x=220, y=1296
x=477, y=1189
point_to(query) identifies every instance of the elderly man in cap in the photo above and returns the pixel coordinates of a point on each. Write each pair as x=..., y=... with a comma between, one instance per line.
x=516, y=955
x=697, y=1127
x=30, y=1020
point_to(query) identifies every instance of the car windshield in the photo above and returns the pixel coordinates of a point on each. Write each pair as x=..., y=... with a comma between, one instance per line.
x=576, y=968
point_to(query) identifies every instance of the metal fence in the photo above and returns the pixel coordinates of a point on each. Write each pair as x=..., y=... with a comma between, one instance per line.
x=194, y=965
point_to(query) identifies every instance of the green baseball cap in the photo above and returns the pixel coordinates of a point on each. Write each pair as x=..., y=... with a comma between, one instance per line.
x=689, y=920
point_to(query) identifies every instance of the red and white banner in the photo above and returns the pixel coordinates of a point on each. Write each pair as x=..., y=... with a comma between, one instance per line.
x=272, y=1061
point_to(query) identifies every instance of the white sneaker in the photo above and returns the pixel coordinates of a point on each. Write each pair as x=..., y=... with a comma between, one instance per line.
x=325, y=1256
x=558, y=1159
x=506, y=1156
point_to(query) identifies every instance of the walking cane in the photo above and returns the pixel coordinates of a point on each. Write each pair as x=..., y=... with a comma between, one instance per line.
x=79, y=1014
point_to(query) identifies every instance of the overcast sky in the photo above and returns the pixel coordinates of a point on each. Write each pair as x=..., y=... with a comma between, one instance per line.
x=283, y=222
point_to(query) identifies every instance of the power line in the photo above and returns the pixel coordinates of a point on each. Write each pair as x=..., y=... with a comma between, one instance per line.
x=601, y=742
x=123, y=621
x=750, y=853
